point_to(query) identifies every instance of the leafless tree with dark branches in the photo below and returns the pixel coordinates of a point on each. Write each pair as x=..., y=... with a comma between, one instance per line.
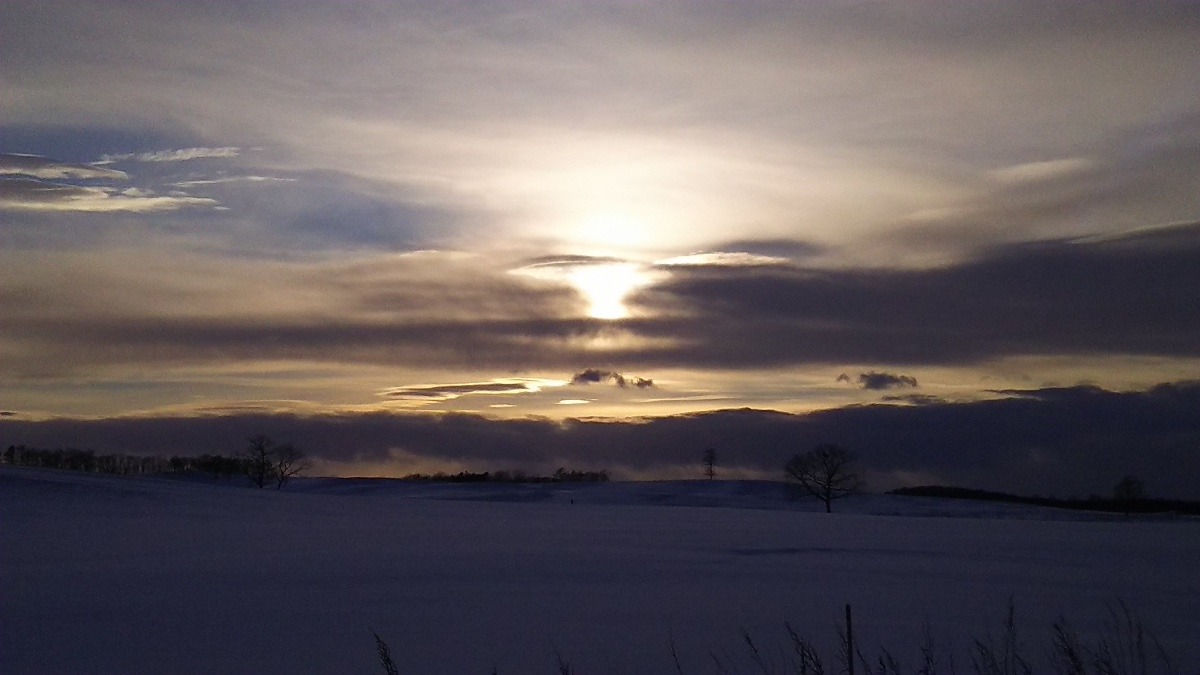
x=289, y=461
x=827, y=472
x=259, y=459
x=266, y=462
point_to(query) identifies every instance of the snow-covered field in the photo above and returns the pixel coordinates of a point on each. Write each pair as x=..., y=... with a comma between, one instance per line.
x=102, y=574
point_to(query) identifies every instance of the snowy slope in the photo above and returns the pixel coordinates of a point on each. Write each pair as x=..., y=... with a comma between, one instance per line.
x=156, y=575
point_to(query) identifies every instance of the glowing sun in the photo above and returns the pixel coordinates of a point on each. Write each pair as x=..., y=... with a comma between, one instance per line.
x=605, y=284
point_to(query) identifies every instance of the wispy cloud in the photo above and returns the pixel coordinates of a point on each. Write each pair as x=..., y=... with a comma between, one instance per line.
x=36, y=166
x=36, y=183
x=1030, y=172
x=724, y=259
x=444, y=392
x=180, y=155
x=233, y=179
x=32, y=195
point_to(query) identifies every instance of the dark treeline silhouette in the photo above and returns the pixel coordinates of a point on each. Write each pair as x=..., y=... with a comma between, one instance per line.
x=74, y=459
x=219, y=466
x=264, y=461
x=1117, y=504
x=559, y=476
x=275, y=461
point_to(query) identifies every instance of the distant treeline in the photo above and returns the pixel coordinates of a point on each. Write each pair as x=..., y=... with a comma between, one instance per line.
x=88, y=460
x=222, y=466
x=559, y=476
x=1092, y=503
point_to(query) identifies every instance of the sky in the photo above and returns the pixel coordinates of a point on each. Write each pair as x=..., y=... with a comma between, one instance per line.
x=515, y=222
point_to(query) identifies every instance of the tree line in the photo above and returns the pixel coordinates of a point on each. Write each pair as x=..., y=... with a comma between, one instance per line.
x=263, y=461
x=75, y=459
x=561, y=475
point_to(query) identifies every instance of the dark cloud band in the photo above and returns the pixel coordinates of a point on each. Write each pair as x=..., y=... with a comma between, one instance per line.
x=1065, y=441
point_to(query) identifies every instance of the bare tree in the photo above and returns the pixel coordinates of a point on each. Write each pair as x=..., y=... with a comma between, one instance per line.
x=827, y=472
x=266, y=462
x=710, y=463
x=289, y=461
x=260, y=459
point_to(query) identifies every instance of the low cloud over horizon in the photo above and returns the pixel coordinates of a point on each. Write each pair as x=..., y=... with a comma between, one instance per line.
x=1068, y=441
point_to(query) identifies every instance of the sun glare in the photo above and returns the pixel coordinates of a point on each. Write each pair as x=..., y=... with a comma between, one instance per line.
x=611, y=233
x=606, y=286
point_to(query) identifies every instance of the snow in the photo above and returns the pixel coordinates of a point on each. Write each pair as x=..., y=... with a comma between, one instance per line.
x=105, y=574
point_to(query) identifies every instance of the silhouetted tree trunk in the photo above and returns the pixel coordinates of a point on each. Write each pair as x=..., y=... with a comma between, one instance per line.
x=710, y=463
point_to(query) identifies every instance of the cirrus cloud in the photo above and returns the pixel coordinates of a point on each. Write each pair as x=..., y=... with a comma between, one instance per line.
x=21, y=194
x=180, y=155
x=36, y=166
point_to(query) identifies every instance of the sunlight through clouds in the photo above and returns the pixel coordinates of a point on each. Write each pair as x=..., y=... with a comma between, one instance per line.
x=603, y=283
x=607, y=286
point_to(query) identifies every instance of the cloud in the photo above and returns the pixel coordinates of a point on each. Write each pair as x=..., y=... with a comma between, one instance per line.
x=181, y=155
x=638, y=122
x=877, y=381
x=1139, y=174
x=1065, y=441
x=642, y=136
x=445, y=392
x=595, y=375
x=724, y=259
x=437, y=309
x=36, y=166
x=33, y=183
x=1136, y=295
x=916, y=399
x=1043, y=170
x=1070, y=296
x=233, y=179
x=567, y=261
x=21, y=194
x=778, y=248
